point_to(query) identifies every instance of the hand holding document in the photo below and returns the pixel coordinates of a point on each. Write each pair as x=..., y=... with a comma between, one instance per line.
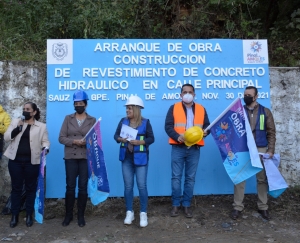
x=128, y=132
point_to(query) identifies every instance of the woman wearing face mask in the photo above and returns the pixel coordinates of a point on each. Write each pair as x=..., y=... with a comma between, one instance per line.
x=74, y=128
x=27, y=137
x=134, y=155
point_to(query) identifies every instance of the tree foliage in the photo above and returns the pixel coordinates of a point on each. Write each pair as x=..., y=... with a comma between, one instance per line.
x=26, y=25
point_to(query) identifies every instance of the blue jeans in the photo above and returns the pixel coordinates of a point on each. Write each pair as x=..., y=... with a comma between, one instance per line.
x=21, y=170
x=183, y=158
x=128, y=170
x=76, y=168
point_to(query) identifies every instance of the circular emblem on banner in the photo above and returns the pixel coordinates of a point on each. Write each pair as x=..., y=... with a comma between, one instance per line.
x=59, y=50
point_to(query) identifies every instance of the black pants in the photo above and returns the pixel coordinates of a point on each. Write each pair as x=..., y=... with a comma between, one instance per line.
x=21, y=170
x=76, y=168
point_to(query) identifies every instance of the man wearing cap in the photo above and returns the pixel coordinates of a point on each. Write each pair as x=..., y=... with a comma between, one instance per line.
x=264, y=132
x=184, y=156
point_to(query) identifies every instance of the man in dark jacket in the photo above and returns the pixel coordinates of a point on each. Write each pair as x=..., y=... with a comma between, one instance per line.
x=264, y=132
x=180, y=117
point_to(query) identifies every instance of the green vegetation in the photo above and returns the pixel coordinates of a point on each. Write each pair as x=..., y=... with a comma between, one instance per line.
x=25, y=25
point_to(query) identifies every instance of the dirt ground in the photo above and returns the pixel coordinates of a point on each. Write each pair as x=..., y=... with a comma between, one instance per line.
x=211, y=223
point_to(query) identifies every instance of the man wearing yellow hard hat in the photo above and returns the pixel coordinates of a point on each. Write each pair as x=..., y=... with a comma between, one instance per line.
x=185, y=122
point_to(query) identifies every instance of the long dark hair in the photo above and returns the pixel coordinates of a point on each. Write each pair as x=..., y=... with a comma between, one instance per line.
x=35, y=108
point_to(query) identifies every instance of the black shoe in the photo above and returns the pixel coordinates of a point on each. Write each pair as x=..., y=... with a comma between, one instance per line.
x=264, y=214
x=69, y=204
x=235, y=214
x=14, y=221
x=81, y=222
x=188, y=212
x=5, y=211
x=29, y=220
x=67, y=220
x=81, y=205
x=174, y=211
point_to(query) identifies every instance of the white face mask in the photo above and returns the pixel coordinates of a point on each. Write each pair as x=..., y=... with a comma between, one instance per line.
x=187, y=98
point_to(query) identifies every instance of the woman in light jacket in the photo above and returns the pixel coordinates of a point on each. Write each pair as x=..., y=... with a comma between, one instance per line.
x=74, y=128
x=134, y=155
x=27, y=138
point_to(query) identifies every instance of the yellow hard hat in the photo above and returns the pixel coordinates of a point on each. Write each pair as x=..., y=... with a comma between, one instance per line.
x=193, y=135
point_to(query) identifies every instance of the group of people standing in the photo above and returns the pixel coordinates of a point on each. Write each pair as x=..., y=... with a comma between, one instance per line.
x=28, y=136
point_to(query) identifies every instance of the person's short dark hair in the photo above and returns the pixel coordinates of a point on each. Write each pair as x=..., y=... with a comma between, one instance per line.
x=187, y=85
x=252, y=87
x=35, y=108
x=84, y=101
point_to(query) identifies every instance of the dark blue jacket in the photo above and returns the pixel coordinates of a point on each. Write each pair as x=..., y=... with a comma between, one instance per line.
x=260, y=127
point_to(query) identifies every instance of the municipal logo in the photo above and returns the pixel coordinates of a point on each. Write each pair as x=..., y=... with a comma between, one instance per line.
x=256, y=46
x=255, y=52
x=59, y=50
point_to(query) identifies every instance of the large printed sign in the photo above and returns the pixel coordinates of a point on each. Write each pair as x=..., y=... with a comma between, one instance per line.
x=112, y=70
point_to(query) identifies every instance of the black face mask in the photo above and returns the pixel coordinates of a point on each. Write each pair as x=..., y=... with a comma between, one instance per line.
x=27, y=115
x=248, y=100
x=79, y=109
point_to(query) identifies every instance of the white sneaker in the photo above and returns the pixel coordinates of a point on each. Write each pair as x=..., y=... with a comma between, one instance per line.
x=143, y=219
x=129, y=217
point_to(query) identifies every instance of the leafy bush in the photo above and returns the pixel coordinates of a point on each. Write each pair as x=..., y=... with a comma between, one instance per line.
x=26, y=25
